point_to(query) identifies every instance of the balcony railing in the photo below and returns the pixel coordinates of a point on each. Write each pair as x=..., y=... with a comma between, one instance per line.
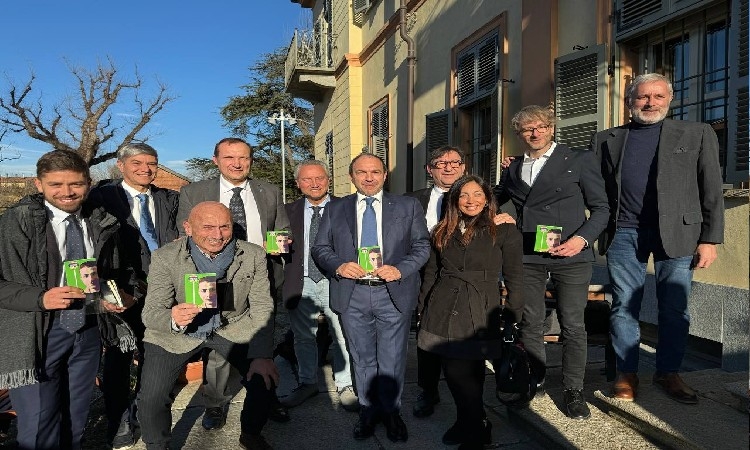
x=310, y=49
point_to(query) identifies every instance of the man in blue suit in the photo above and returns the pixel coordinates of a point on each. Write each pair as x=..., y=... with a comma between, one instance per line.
x=375, y=312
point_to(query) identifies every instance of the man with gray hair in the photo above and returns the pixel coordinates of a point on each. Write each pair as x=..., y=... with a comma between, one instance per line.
x=305, y=291
x=147, y=216
x=663, y=182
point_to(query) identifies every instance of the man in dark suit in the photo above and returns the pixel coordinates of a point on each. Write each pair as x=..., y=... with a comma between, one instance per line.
x=554, y=185
x=147, y=216
x=663, y=181
x=445, y=166
x=375, y=311
x=257, y=207
x=305, y=291
x=52, y=344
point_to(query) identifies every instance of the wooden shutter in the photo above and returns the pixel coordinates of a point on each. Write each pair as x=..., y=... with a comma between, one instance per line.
x=329, y=159
x=580, y=97
x=379, y=127
x=477, y=69
x=738, y=156
x=634, y=12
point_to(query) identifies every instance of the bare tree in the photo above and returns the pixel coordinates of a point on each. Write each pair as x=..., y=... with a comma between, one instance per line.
x=85, y=124
x=4, y=156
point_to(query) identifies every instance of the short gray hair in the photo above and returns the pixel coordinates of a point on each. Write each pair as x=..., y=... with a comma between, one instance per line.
x=311, y=162
x=646, y=78
x=135, y=149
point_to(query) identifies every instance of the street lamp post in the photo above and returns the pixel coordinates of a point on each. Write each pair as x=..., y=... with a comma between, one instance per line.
x=280, y=117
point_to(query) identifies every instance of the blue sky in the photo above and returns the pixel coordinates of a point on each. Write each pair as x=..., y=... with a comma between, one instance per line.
x=201, y=50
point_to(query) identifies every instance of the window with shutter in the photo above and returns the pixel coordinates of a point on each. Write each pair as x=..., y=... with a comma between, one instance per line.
x=580, y=83
x=635, y=12
x=329, y=159
x=437, y=134
x=738, y=157
x=477, y=70
x=379, y=131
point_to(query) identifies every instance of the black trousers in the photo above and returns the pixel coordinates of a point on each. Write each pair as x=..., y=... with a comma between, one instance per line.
x=116, y=371
x=571, y=283
x=465, y=379
x=160, y=371
x=428, y=370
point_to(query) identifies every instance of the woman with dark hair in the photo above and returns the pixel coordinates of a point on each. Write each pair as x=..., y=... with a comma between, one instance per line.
x=460, y=301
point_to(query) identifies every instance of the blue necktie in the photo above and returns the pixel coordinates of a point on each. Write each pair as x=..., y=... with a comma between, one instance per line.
x=312, y=270
x=147, y=224
x=369, y=225
x=73, y=320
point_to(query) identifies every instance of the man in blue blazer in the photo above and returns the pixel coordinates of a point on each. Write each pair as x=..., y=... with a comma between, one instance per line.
x=664, y=185
x=375, y=311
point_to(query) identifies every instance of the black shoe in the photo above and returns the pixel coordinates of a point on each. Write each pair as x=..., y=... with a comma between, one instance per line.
x=540, y=390
x=395, y=427
x=278, y=412
x=123, y=438
x=254, y=442
x=575, y=404
x=425, y=404
x=214, y=418
x=365, y=426
x=454, y=435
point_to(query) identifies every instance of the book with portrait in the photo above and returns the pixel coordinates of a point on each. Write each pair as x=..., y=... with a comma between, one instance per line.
x=547, y=237
x=370, y=258
x=277, y=241
x=200, y=290
x=83, y=274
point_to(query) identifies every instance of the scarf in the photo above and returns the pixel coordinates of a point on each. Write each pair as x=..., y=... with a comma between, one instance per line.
x=208, y=320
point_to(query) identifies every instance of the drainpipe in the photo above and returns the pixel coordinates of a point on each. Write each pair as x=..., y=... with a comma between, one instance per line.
x=411, y=59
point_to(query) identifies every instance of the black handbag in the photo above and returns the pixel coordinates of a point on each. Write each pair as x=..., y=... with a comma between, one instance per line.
x=516, y=383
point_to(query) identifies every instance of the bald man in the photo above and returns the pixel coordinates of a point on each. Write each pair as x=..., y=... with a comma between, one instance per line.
x=238, y=330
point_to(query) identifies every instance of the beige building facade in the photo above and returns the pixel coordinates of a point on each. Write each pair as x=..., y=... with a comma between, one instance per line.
x=400, y=78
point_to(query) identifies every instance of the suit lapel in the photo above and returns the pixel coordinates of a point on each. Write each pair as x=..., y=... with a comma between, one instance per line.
x=615, y=145
x=514, y=172
x=668, y=143
x=350, y=213
x=160, y=212
x=387, y=212
x=258, y=193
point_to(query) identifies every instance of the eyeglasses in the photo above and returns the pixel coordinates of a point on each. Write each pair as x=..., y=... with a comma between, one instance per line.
x=443, y=164
x=530, y=131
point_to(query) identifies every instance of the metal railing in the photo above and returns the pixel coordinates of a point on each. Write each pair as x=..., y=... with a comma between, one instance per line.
x=310, y=48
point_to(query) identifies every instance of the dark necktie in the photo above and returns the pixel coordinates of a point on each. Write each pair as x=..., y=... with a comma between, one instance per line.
x=73, y=320
x=237, y=207
x=147, y=224
x=439, y=205
x=369, y=225
x=312, y=270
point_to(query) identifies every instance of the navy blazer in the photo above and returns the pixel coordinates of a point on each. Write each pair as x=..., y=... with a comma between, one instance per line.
x=406, y=246
x=110, y=195
x=689, y=184
x=569, y=184
x=294, y=261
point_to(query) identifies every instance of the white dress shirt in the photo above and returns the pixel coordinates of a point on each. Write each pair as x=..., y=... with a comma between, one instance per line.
x=135, y=206
x=531, y=167
x=57, y=218
x=252, y=216
x=436, y=197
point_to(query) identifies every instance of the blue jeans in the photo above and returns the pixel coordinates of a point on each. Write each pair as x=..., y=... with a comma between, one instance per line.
x=304, y=324
x=626, y=262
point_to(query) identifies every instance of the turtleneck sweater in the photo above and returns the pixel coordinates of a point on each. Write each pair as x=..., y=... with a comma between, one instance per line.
x=638, y=198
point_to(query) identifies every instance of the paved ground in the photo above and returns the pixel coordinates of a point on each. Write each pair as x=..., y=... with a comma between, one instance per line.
x=653, y=421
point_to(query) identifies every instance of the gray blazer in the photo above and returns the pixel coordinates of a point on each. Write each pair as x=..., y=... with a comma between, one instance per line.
x=267, y=197
x=689, y=184
x=250, y=319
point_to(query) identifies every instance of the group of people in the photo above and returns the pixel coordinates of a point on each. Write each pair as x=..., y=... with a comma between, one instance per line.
x=651, y=187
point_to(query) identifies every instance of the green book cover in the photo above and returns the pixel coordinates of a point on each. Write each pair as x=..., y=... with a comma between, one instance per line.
x=547, y=237
x=370, y=258
x=83, y=274
x=200, y=290
x=277, y=241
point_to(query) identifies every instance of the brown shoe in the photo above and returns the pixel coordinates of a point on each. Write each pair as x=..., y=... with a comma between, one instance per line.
x=675, y=388
x=625, y=387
